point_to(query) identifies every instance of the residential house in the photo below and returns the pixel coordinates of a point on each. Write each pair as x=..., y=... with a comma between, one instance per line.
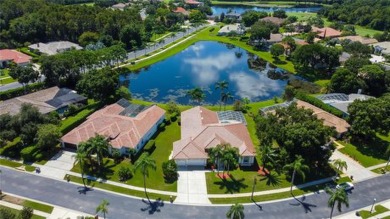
x=47, y=100
x=203, y=129
x=363, y=40
x=275, y=38
x=120, y=6
x=341, y=126
x=7, y=56
x=181, y=11
x=341, y=101
x=382, y=48
x=53, y=48
x=125, y=125
x=231, y=28
x=233, y=16
x=193, y=3
x=274, y=20
x=344, y=56
x=326, y=32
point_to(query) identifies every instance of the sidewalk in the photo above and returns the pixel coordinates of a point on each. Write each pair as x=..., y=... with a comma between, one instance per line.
x=57, y=213
x=352, y=214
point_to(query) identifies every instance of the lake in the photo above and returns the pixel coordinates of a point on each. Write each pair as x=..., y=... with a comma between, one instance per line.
x=202, y=65
x=217, y=10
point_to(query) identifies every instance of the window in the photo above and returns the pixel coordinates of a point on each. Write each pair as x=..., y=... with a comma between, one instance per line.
x=245, y=159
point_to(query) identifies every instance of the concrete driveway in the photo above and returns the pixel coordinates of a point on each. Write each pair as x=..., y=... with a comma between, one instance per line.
x=58, y=165
x=191, y=187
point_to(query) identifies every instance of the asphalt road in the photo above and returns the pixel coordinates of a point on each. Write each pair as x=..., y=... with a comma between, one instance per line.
x=66, y=194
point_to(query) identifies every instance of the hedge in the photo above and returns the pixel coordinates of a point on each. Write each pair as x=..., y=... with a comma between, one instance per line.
x=318, y=103
x=5, y=95
x=149, y=145
x=27, y=153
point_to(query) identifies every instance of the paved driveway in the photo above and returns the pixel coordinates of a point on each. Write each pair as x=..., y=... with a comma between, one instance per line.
x=191, y=187
x=356, y=170
x=58, y=165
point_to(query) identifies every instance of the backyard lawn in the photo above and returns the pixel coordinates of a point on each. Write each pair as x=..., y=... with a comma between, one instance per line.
x=164, y=144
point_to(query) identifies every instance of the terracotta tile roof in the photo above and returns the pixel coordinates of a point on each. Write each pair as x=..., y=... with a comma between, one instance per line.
x=326, y=32
x=363, y=40
x=181, y=10
x=17, y=57
x=275, y=20
x=124, y=131
x=329, y=119
x=201, y=130
x=192, y=2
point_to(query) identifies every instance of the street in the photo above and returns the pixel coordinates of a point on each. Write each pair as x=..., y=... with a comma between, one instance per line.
x=67, y=195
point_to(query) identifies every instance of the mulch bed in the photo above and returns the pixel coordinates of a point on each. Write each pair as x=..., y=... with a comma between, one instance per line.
x=223, y=175
x=262, y=171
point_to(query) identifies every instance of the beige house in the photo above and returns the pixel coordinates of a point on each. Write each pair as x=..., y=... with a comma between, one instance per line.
x=203, y=129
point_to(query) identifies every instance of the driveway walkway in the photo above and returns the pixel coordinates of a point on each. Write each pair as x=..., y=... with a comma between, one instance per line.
x=356, y=170
x=58, y=166
x=191, y=187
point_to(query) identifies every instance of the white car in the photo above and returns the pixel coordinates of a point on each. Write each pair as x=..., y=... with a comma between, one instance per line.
x=347, y=186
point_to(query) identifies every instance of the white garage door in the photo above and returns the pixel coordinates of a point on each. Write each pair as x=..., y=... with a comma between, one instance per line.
x=196, y=162
x=181, y=162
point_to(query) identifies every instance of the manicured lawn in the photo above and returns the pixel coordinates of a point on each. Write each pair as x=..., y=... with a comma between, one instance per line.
x=302, y=16
x=164, y=145
x=210, y=34
x=9, y=163
x=118, y=189
x=366, y=155
x=16, y=212
x=254, y=3
x=4, y=77
x=380, y=170
x=379, y=209
x=364, y=31
x=241, y=181
x=38, y=206
x=157, y=36
x=322, y=83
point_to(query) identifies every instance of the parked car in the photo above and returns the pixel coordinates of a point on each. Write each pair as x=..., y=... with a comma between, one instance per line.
x=347, y=186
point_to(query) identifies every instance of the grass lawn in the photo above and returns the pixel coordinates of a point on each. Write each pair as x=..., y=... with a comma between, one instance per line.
x=119, y=189
x=16, y=212
x=322, y=83
x=9, y=163
x=379, y=209
x=380, y=170
x=366, y=155
x=364, y=31
x=210, y=34
x=4, y=77
x=302, y=16
x=38, y=206
x=164, y=144
x=254, y=3
x=157, y=36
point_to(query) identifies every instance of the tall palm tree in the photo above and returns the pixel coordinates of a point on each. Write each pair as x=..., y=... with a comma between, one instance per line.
x=236, y=211
x=230, y=157
x=298, y=167
x=268, y=155
x=98, y=145
x=216, y=154
x=222, y=86
x=144, y=163
x=80, y=158
x=196, y=94
x=226, y=97
x=339, y=197
x=102, y=207
x=340, y=165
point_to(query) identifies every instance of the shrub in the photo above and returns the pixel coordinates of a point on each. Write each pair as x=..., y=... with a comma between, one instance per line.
x=212, y=29
x=161, y=127
x=7, y=214
x=124, y=173
x=116, y=155
x=27, y=153
x=26, y=213
x=150, y=145
x=170, y=171
x=38, y=156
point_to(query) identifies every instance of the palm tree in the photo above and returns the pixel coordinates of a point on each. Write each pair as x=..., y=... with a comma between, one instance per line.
x=236, y=211
x=268, y=154
x=339, y=197
x=144, y=163
x=388, y=161
x=196, y=94
x=98, y=145
x=221, y=85
x=340, y=165
x=215, y=155
x=298, y=167
x=226, y=97
x=102, y=207
x=230, y=157
x=80, y=157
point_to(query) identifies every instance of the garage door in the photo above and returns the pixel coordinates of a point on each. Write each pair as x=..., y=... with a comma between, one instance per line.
x=196, y=162
x=181, y=162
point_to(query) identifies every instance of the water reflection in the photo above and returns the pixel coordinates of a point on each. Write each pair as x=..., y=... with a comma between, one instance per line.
x=202, y=65
x=217, y=10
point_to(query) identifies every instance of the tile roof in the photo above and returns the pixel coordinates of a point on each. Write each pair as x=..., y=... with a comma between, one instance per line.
x=55, y=47
x=17, y=57
x=46, y=100
x=123, y=131
x=363, y=40
x=181, y=10
x=275, y=20
x=326, y=32
x=192, y=2
x=202, y=130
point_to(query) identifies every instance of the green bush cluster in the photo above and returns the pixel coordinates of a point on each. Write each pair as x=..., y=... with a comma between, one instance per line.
x=29, y=154
x=5, y=95
x=318, y=103
x=150, y=145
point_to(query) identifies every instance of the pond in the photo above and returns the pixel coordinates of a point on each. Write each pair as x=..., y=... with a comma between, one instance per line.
x=202, y=65
x=217, y=10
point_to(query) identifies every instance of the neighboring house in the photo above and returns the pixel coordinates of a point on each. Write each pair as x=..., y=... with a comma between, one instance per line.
x=47, y=100
x=326, y=32
x=382, y=48
x=342, y=101
x=120, y=6
x=363, y=40
x=193, y=3
x=231, y=28
x=203, y=129
x=274, y=20
x=53, y=48
x=344, y=56
x=377, y=59
x=235, y=16
x=181, y=11
x=275, y=38
x=341, y=126
x=143, y=14
x=7, y=56
x=125, y=125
